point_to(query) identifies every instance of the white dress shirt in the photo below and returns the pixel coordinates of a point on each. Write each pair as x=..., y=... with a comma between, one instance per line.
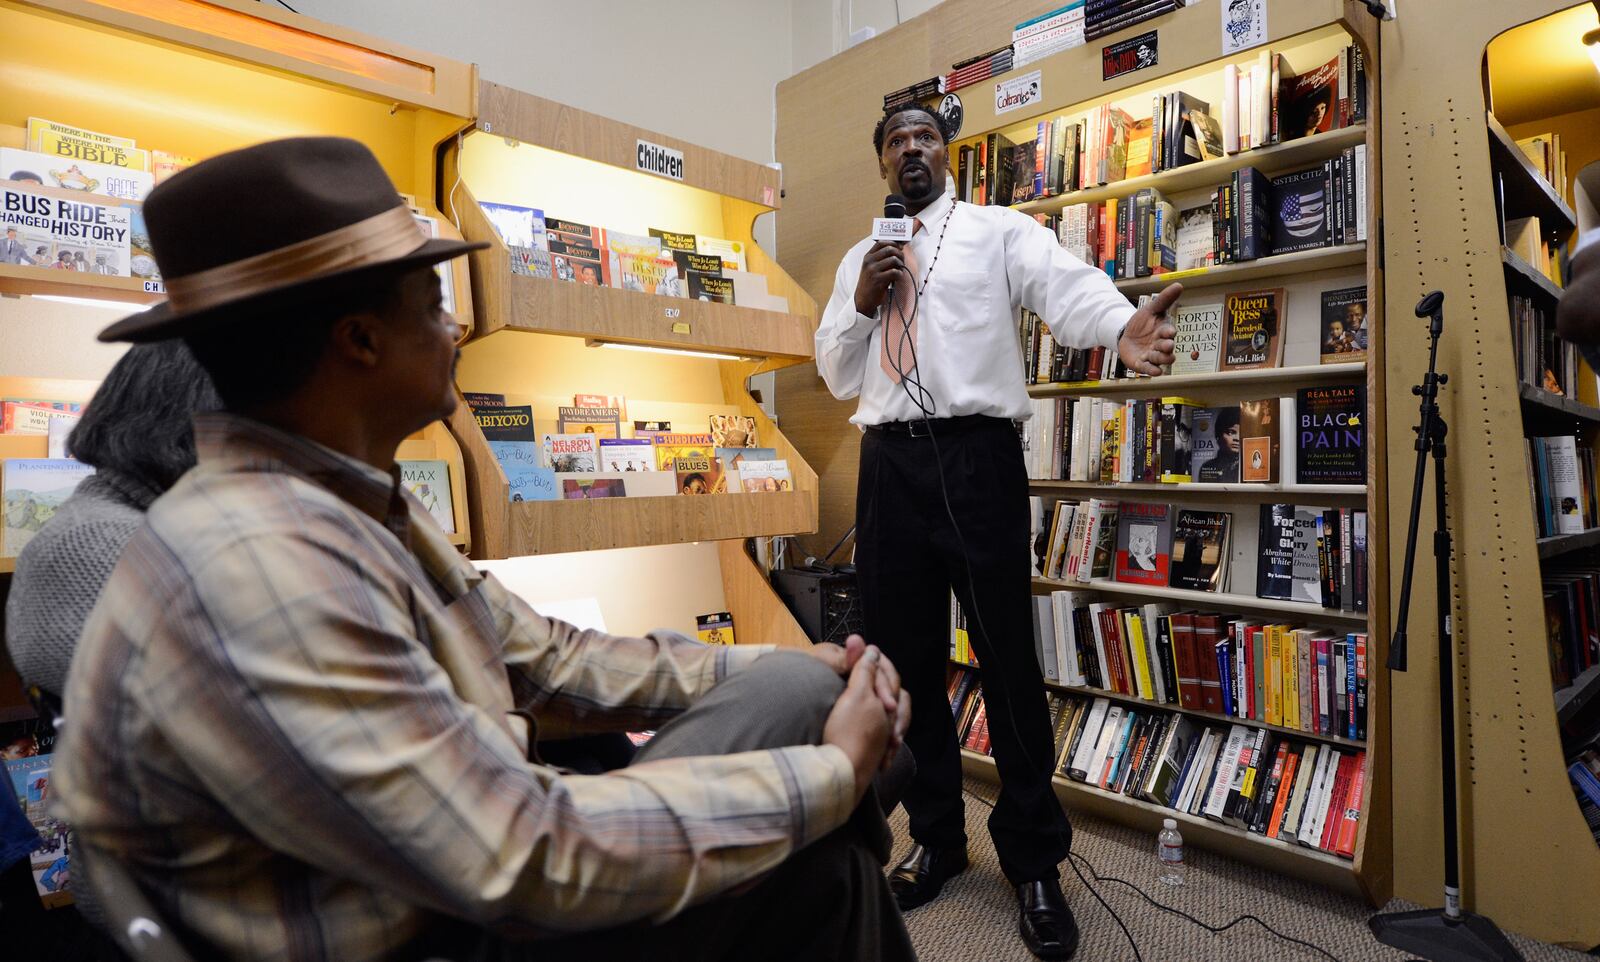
x=992, y=261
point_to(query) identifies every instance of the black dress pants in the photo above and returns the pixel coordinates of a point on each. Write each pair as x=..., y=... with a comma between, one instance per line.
x=908, y=558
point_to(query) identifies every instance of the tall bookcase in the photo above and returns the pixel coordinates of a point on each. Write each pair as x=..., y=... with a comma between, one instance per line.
x=1189, y=51
x=541, y=341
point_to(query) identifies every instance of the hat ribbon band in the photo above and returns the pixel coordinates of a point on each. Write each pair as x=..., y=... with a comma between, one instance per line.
x=379, y=238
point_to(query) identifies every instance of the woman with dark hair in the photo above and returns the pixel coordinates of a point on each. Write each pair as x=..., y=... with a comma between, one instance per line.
x=136, y=433
x=1225, y=465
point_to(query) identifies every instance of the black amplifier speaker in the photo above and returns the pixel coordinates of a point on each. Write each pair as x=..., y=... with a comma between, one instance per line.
x=824, y=600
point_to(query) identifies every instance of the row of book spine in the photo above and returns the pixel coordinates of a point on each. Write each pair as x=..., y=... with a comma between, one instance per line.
x=1259, y=781
x=1561, y=477
x=1543, y=358
x=1572, y=620
x=1308, y=679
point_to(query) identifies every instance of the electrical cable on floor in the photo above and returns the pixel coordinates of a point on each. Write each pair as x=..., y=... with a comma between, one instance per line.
x=1074, y=858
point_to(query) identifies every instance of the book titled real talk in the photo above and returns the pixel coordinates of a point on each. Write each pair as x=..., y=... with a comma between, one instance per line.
x=1330, y=434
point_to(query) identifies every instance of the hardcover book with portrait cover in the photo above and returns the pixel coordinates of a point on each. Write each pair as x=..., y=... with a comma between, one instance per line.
x=1144, y=543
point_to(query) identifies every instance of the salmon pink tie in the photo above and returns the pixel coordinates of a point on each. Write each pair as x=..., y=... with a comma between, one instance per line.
x=900, y=317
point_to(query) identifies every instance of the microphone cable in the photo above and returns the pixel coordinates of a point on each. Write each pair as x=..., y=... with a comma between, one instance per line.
x=928, y=411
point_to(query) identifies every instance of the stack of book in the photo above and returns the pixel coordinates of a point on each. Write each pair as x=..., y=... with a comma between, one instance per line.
x=1052, y=32
x=978, y=69
x=1572, y=620
x=1548, y=159
x=967, y=706
x=1249, y=778
x=1108, y=16
x=916, y=93
x=1308, y=679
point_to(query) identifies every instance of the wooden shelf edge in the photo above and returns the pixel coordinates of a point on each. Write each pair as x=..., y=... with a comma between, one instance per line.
x=1548, y=404
x=1201, y=490
x=1271, y=159
x=508, y=112
x=1571, y=699
x=1209, y=599
x=1560, y=544
x=1566, y=220
x=1282, y=857
x=556, y=527
x=1214, y=717
x=8, y=565
x=505, y=301
x=1170, y=383
x=1300, y=262
x=20, y=279
x=1523, y=271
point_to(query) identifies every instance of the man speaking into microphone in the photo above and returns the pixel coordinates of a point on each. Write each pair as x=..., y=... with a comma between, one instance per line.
x=925, y=334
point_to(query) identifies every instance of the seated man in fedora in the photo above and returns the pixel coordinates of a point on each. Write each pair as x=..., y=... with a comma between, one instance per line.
x=306, y=728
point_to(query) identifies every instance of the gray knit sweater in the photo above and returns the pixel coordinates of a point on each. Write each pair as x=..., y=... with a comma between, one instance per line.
x=61, y=571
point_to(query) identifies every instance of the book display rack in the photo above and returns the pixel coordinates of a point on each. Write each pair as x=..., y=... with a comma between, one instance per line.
x=147, y=71
x=1191, y=60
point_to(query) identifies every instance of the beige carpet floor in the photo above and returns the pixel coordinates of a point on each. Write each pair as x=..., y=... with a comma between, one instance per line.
x=974, y=920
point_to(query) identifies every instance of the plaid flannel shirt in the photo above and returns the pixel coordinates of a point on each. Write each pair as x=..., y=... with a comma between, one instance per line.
x=294, y=716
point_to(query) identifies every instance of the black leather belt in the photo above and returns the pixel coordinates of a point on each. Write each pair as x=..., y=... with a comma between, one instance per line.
x=920, y=428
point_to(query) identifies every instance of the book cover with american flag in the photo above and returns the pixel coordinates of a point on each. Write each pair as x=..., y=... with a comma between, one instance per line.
x=1300, y=210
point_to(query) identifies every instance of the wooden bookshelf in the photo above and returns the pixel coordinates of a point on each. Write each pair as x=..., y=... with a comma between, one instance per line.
x=1525, y=189
x=1541, y=406
x=1573, y=698
x=535, y=305
x=540, y=339
x=1241, y=382
x=1072, y=82
x=1560, y=544
x=1211, y=173
x=21, y=279
x=1209, y=716
x=1525, y=279
x=1311, y=864
x=1330, y=494
x=1210, y=600
x=8, y=565
x=1242, y=272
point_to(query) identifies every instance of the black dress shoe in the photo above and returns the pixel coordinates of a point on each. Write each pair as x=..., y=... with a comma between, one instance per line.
x=1047, y=926
x=917, y=880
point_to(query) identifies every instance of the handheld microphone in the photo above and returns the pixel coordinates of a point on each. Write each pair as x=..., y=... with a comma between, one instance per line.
x=894, y=226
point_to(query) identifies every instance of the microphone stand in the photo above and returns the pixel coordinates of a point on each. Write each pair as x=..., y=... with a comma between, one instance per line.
x=1447, y=934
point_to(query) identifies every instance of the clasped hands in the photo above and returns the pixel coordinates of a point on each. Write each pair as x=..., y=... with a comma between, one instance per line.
x=868, y=722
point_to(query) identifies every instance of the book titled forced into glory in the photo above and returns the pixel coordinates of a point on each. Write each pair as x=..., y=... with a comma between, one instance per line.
x=429, y=482
x=1200, y=550
x=1144, y=543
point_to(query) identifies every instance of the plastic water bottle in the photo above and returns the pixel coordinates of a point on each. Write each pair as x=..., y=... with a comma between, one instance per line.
x=1169, y=849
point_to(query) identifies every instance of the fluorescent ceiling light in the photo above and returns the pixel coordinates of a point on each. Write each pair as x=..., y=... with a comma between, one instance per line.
x=121, y=306
x=649, y=348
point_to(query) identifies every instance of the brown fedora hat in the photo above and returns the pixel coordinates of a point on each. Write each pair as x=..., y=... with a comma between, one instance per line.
x=280, y=219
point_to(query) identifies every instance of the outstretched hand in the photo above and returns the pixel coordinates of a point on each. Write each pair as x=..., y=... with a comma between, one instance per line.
x=1147, y=341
